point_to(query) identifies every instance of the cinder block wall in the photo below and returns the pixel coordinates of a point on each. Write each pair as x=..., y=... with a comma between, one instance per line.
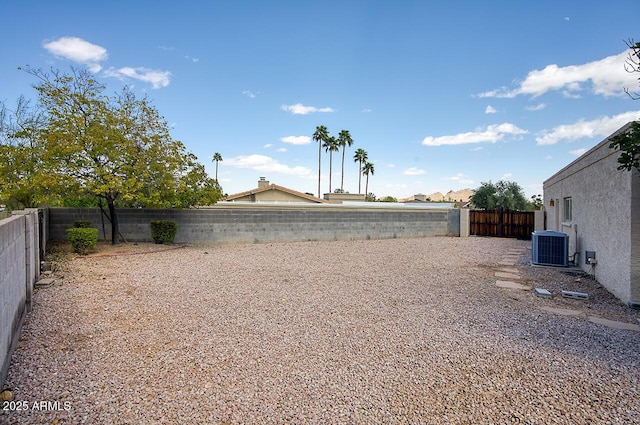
x=260, y=224
x=13, y=287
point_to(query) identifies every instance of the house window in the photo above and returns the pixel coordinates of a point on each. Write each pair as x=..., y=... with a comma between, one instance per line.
x=568, y=209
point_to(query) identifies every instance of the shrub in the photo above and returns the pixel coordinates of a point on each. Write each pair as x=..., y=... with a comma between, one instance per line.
x=83, y=239
x=163, y=231
x=82, y=223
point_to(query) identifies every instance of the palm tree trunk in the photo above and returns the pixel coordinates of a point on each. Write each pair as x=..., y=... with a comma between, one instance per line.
x=330, y=168
x=342, y=178
x=366, y=188
x=319, y=164
x=359, y=177
x=216, y=170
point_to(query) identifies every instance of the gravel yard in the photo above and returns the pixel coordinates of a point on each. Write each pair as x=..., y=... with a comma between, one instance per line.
x=361, y=332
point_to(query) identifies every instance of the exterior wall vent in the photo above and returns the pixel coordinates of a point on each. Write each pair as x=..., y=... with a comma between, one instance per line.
x=550, y=248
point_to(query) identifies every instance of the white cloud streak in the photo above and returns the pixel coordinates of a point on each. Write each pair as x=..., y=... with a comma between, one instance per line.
x=296, y=140
x=578, y=152
x=78, y=50
x=267, y=164
x=600, y=127
x=491, y=134
x=300, y=109
x=157, y=79
x=605, y=77
x=490, y=110
x=413, y=171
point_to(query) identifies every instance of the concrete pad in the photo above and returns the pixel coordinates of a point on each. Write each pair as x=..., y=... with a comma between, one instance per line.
x=507, y=275
x=564, y=311
x=507, y=263
x=614, y=324
x=511, y=285
x=508, y=270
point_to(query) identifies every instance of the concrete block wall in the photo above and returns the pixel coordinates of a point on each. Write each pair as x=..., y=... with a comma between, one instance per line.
x=276, y=224
x=13, y=287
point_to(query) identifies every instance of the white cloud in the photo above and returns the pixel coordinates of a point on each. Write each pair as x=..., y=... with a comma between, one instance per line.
x=300, y=109
x=538, y=107
x=460, y=178
x=490, y=110
x=192, y=59
x=505, y=176
x=578, y=152
x=158, y=79
x=413, y=171
x=78, y=50
x=606, y=76
x=491, y=134
x=281, y=150
x=296, y=140
x=265, y=163
x=267, y=146
x=367, y=110
x=600, y=127
x=249, y=94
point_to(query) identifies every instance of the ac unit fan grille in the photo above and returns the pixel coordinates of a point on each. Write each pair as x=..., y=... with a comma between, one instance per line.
x=550, y=249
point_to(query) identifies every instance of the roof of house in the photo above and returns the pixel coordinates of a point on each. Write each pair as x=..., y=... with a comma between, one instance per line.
x=278, y=188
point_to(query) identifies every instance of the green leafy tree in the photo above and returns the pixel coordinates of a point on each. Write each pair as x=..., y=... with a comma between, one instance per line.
x=536, y=202
x=504, y=194
x=344, y=140
x=331, y=145
x=360, y=156
x=320, y=135
x=117, y=148
x=628, y=143
x=367, y=169
x=217, y=158
x=25, y=182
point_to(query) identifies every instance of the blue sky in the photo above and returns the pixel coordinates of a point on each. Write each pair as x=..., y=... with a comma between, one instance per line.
x=443, y=95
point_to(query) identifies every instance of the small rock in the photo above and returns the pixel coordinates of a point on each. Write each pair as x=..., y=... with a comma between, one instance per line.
x=6, y=395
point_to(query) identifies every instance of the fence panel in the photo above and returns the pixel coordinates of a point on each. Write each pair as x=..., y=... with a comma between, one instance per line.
x=502, y=223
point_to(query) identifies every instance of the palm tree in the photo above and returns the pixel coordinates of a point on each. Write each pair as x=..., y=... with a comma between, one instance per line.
x=320, y=135
x=344, y=140
x=217, y=158
x=366, y=170
x=360, y=156
x=331, y=145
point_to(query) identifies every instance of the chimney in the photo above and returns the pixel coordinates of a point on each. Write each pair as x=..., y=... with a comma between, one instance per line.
x=263, y=182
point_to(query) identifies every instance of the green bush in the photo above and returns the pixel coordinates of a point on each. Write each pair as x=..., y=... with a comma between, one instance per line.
x=82, y=223
x=83, y=239
x=163, y=231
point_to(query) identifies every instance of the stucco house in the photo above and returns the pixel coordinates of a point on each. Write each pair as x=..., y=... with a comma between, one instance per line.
x=272, y=193
x=598, y=206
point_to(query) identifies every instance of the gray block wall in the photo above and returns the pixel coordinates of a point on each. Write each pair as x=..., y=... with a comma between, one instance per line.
x=261, y=225
x=13, y=288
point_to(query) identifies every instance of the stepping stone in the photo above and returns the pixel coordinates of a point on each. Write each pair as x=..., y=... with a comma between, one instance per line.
x=45, y=283
x=507, y=275
x=507, y=263
x=613, y=324
x=542, y=293
x=564, y=311
x=511, y=285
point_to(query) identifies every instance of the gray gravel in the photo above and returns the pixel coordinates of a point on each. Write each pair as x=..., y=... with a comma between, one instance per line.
x=389, y=331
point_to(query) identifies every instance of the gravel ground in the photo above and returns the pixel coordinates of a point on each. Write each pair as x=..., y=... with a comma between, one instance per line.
x=387, y=331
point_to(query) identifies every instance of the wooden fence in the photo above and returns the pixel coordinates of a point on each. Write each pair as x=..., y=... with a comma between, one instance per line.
x=502, y=223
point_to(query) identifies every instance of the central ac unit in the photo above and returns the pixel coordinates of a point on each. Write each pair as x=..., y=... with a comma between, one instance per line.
x=550, y=248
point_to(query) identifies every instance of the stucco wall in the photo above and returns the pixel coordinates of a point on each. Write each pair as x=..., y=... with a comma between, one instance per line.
x=601, y=217
x=270, y=224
